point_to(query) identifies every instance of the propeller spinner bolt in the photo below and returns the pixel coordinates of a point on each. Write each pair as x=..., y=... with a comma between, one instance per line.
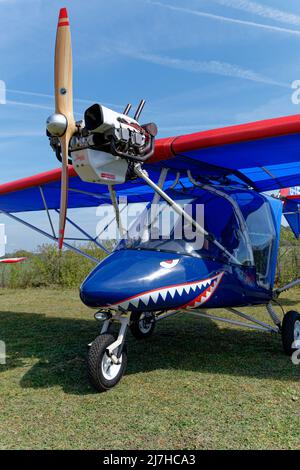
x=57, y=124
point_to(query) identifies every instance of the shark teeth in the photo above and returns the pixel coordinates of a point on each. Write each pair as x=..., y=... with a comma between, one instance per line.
x=135, y=302
x=209, y=285
x=206, y=294
x=172, y=292
x=154, y=296
x=179, y=290
x=187, y=289
x=163, y=293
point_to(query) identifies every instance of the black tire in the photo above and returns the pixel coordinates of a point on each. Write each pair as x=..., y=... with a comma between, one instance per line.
x=290, y=331
x=96, y=363
x=142, y=324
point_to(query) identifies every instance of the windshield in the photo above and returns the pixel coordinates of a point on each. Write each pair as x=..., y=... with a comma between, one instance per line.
x=160, y=228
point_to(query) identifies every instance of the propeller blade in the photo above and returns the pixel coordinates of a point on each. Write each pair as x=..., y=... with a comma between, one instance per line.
x=64, y=142
x=64, y=105
x=63, y=67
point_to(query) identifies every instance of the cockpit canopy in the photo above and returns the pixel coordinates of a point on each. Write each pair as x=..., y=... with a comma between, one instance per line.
x=241, y=227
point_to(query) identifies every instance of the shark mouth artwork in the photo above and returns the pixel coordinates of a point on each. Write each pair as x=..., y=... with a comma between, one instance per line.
x=206, y=294
x=187, y=295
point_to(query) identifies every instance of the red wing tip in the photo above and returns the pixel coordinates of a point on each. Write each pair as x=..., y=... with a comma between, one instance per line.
x=63, y=14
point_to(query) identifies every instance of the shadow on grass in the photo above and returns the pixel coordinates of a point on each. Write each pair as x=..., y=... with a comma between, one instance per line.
x=59, y=346
x=288, y=302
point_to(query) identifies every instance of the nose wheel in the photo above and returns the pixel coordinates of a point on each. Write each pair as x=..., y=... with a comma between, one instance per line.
x=106, y=369
x=142, y=324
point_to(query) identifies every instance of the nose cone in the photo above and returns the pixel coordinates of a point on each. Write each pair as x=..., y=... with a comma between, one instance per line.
x=126, y=273
x=146, y=280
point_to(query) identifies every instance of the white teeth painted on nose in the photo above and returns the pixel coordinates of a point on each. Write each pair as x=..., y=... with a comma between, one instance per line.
x=179, y=290
x=207, y=293
x=187, y=289
x=172, y=292
x=144, y=298
x=203, y=289
x=135, y=301
x=154, y=296
x=164, y=294
x=124, y=305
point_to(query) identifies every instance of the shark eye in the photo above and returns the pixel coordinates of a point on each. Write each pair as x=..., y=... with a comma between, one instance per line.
x=169, y=264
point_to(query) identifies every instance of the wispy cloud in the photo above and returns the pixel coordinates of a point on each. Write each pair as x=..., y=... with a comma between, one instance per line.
x=26, y=104
x=224, y=19
x=23, y=134
x=262, y=11
x=212, y=67
x=29, y=105
x=48, y=96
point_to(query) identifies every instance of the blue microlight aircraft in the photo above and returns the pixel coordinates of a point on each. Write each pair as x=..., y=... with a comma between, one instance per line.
x=147, y=278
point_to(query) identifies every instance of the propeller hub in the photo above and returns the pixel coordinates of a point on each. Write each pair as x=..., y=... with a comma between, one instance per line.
x=57, y=124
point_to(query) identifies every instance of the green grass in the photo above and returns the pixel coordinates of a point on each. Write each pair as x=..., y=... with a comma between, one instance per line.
x=193, y=385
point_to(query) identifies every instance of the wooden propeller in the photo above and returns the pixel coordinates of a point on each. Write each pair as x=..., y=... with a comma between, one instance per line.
x=64, y=106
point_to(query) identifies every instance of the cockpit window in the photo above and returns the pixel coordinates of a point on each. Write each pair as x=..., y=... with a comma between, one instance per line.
x=168, y=232
x=261, y=229
x=158, y=228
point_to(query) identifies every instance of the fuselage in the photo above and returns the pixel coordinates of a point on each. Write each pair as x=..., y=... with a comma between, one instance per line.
x=147, y=280
x=234, y=265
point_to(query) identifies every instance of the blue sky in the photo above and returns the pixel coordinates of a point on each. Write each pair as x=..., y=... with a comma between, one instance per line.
x=199, y=64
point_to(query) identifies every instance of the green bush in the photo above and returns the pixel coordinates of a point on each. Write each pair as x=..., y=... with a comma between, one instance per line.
x=48, y=267
x=288, y=262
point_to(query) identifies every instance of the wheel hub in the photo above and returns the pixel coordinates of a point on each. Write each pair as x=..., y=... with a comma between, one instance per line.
x=109, y=369
x=145, y=323
x=297, y=331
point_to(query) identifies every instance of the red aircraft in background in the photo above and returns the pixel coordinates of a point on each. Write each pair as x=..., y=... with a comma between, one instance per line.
x=11, y=260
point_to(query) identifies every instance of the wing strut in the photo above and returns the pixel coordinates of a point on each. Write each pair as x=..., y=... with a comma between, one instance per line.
x=114, y=201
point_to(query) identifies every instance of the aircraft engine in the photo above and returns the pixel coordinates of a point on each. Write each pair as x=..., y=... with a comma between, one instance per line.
x=106, y=143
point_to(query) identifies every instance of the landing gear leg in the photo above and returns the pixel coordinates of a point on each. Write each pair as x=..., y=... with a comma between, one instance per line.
x=107, y=357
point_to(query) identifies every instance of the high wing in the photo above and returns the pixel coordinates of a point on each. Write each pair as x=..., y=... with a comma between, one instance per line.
x=265, y=155
x=42, y=191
